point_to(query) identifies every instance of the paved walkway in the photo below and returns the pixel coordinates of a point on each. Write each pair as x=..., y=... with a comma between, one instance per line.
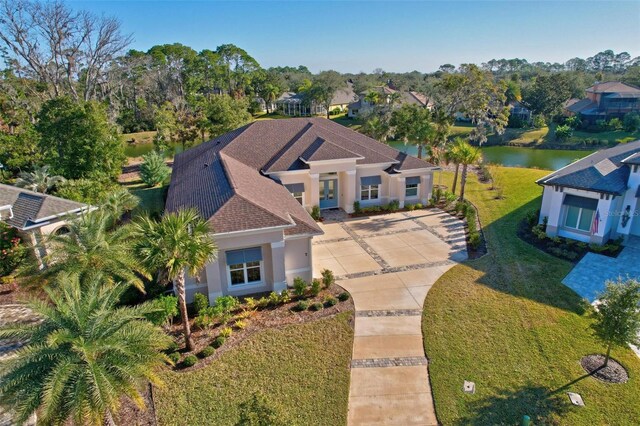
x=388, y=263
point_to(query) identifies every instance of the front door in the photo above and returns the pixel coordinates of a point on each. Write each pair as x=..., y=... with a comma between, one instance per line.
x=328, y=193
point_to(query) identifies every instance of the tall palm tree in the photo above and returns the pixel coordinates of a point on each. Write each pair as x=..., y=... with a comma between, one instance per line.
x=372, y=97
x=452, y=156
x=178, y=242
x=39, y=180
x=92, y=247
x=83, y=357
x=466, y=156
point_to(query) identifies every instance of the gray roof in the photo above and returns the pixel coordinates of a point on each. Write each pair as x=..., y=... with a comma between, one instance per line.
x=604, y=171
x=581, y=105
x=30, y=208
x=632, y=159
x=225, y=177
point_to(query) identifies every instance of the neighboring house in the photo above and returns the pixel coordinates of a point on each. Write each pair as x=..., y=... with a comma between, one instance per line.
x=596, y=198
x=386, y=96
x=520, y=112
x=36, y=215
x=294, y=105
x=256, y=185
x=605, y=101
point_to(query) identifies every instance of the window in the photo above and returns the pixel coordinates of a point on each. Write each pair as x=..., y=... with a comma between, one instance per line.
x=369, y=192
x=411, y=190
x=370, y=187
x=298, y=196
x=579, y=212
x=245, y=266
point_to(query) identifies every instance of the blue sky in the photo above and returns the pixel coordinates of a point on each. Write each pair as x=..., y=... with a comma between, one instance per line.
x=392, y=35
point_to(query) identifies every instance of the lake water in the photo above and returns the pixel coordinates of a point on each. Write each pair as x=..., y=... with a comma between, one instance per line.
x=510, y=156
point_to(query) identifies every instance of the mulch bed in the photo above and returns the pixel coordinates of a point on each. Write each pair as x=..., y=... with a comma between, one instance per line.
x=614, y=372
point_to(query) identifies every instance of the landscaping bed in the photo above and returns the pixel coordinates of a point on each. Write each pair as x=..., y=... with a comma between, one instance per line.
x=564, y=248
x=614, y=372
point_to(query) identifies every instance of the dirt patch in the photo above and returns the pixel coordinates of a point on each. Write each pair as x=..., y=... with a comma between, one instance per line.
x=614, y=372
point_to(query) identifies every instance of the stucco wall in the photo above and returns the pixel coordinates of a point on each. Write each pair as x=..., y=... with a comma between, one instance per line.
x=298, y=259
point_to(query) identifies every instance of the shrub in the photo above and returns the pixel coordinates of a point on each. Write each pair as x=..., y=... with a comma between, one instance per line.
x=394, y=205
x=316, y=306
x=450, y=197
x=573, y=122
x=315, y=213
x=285, y=297
x=327, y=278
x=563, y=132
x=250, y=303
x=409, y=207
x=218, y=341
x=166, y=308
x=174, y=357
x=343, y=297
x=532, y=218
x=153, y=170
x=12, y=252
x=89, y=191
x=299, y=286
x=263, y=302
x=207, y=318
x=274, y=299
x=539, y=232
x=631, y=122
x=223, y=307
x=226, y=332
x=241, y=324
x=539, y=121
x=474, y=240
x=418, y=206
x=302, y=305
x=356, y=207
x=330, y=301
x=190, y=361
x=173, y=347
x=316, y=285
x=207, y=352
x=615, y=124
x=200, y=302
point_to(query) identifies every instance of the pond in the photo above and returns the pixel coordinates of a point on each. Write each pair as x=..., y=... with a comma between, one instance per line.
x=511, y=156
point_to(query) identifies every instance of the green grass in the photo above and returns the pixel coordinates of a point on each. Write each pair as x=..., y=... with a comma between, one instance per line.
x=507, y=323
x=152, y=200
x=138, y=137
x=546, y=136
x=302, y=369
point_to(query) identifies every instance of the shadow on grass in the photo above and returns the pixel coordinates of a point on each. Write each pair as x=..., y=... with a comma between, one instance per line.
x=515, y=267
x=508, y=406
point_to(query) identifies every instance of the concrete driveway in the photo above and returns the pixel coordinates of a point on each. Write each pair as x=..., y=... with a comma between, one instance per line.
x=388, y=263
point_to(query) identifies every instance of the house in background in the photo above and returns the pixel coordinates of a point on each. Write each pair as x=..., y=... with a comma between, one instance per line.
x=519, y=112
x=604, y=101
x=387, y=95
x=595, y=199
x=257, y=184
x=36, y=215
x=294, y=104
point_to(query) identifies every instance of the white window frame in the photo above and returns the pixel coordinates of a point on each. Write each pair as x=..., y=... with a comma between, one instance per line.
x=368, y=189
x=417, y=188
x=299, y=196
x=580, y=211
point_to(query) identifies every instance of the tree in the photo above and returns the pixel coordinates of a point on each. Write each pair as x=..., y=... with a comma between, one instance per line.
x=19, y=150
x=92, y=248
x=153, y=170
x=238, y=68
x=78, y=141
x=268, y=86
x=412, y=123
x=84, y=355
x=452, y=156
x=373, y=97
x=223, y=114
x=66, y=50
x=466, y=155
x=324, y=87
x=178, y=242
x=376, y=126
x=39, y=180
x=119, y=202
x=547, y=94
x=617, y=317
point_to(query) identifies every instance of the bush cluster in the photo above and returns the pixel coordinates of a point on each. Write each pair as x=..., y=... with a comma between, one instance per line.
x=12, y=251
x=190, y=361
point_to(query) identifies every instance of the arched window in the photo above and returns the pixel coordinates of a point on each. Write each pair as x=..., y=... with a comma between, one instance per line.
x=63, y=230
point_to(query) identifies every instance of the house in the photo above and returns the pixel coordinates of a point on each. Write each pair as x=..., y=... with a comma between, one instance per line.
x=36, y=215
x=519, y=112
x=596, y=198
x=387, y=95
x=295, y=105
x=605, y=101
x=256, y=186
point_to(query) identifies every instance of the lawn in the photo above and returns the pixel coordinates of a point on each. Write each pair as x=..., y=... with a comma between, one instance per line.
x=546, y=136
x=152, y=200
x=303, y=370
x=506, y=322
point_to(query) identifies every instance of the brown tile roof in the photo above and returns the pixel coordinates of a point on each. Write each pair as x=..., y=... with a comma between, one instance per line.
x=30, y=207
x=224, y=178
x=613, y=87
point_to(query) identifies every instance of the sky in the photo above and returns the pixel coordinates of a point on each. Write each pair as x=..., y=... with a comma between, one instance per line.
x=397, y=36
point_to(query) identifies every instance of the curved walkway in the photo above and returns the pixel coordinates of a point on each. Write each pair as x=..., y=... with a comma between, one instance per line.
x=397, y=258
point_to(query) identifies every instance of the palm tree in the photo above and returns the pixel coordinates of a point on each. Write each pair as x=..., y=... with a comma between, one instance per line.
x=179, y=241
x=39, y=180
x=372, y=97
x=118, y=203
x=92, y=248
x=466, y=156
x=452, y=156
x=84, y=355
